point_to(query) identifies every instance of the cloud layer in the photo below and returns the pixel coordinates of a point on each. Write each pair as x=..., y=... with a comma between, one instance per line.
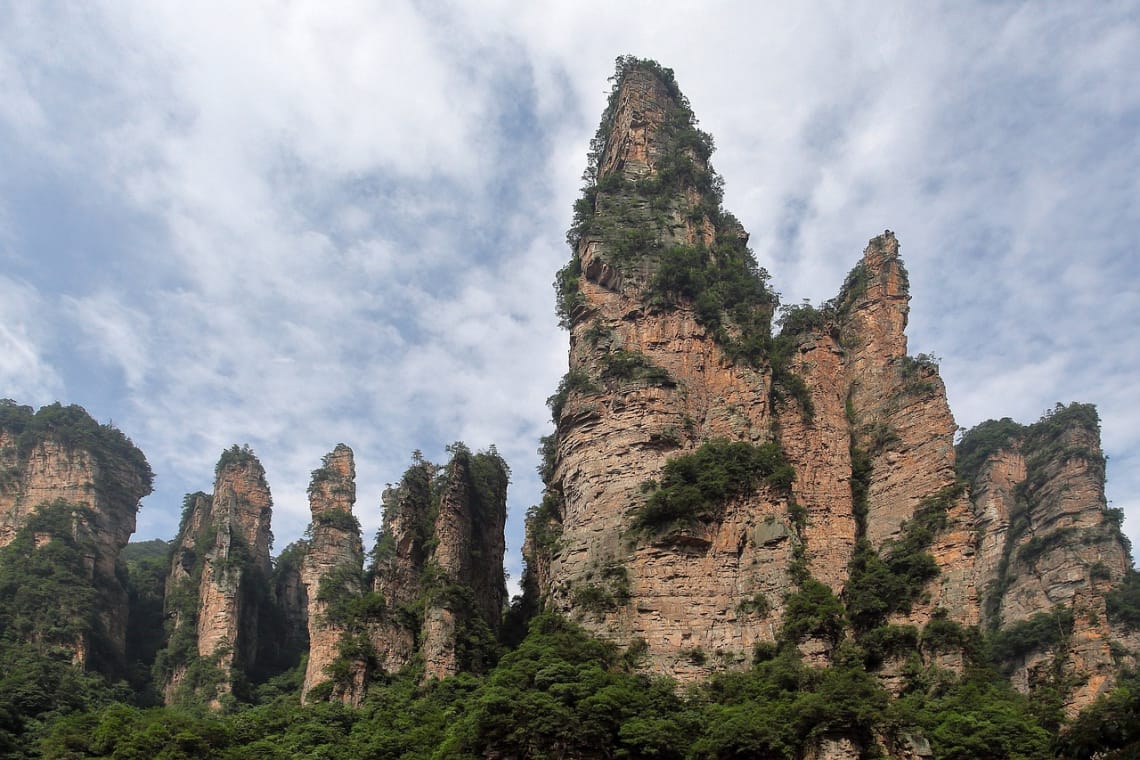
x=292, y=225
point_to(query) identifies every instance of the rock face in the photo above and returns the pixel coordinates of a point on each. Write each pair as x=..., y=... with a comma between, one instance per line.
x=671, y=360
x=61, y=456
x=220, y=563
x=334, y=557
x=693, y=379
x=1049, y=545
x=441, y=549
x=435, y=592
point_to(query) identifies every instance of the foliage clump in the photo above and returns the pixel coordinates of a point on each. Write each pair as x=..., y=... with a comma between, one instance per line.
x=696, y=486
x=574, y=381
x=1123, y=602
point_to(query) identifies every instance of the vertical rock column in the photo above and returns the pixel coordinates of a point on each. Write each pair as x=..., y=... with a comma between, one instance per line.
x=650, y=380
x=332, y=566
x=469, y=550
x=242, y=510
x=220, y=577
x=902, y=419
x=1048, y=541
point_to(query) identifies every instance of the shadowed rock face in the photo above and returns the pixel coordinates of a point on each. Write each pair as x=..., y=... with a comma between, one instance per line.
x=656, y=370
x=60, y=455
x=441, y=547
x=437, y=588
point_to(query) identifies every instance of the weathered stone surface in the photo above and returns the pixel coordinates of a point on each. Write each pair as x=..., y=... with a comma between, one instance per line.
x=615, y=435
x=335, y=555
x=221, y=555
x=468, y=530
x=95, y=476
x=867, y=415
x=1048, y=541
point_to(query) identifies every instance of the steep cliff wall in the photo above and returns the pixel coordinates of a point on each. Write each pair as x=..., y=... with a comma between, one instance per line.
x=1049, y=552
x=60, y=457
x=439, y=559
x=435, y=593
x=671, y=351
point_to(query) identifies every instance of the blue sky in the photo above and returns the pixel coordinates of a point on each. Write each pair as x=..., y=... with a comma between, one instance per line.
x=291, y=224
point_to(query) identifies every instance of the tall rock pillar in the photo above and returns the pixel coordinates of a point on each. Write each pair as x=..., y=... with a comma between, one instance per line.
x=331, y=570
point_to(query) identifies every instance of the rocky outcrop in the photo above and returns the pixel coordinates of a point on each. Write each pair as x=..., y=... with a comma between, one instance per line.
x=1049, y=550
x=464, y=611
x=219, y=582
x=331, y=567
x=440, y=551
x=672, y=364
x=437, y=591
x=61, y=456
x=665, y=354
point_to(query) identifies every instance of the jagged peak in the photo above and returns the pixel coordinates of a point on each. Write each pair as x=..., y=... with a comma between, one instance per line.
x=333, y=484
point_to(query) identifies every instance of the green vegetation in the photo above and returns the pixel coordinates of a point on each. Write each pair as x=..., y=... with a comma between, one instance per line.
x=237, y=456
x=981, y=442
x=606, y=592
x=1062, y=434
x=74, y=428
x=338, y=519
x=813, y=611
x=634, y=367
x=696, y=486
x=881, y=584
x=324, y=474
x=1044, y=631
x=919, y=374
x=633, y=221
x=415, y=503
x=575, y=380
x=544, y=522
x=1123, y=602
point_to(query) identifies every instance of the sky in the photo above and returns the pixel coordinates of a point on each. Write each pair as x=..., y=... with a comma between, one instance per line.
x=293, y=224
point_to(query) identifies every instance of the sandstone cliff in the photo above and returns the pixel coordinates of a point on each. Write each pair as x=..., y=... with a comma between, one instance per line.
x=1049, y=551
x=669, y=320
x=60, y=458
x=218, y=583
x=435, y=593
x=712, y=487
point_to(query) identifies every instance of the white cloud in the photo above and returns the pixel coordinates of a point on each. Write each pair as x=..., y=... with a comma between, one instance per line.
x=26, y=375
x=114, y=332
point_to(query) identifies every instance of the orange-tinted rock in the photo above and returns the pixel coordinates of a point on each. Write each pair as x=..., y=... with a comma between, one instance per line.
x=221, y=554
x=656, y=371
x=335, y=555
x=61, y=455
x=1048, y=541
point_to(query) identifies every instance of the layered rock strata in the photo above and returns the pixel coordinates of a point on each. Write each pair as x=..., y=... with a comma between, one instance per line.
x=654, y=203
x=1049, y=545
